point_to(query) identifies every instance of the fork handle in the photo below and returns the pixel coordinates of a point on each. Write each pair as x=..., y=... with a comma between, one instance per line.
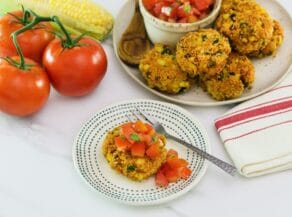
x=223, y=165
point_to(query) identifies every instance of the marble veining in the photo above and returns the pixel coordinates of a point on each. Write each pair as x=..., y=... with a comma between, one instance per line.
x=176, y=212
x=37, y=135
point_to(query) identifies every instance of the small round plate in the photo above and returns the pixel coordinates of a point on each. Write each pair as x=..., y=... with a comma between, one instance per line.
x=269, y=71
x=95, y=170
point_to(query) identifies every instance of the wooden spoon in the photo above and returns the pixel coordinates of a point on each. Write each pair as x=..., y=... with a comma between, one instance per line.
x=134, y=42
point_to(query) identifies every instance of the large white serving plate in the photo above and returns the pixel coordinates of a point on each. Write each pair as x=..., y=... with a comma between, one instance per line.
x=269, y=71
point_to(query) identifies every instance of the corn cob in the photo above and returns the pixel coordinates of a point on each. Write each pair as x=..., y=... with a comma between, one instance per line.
x=78, y=16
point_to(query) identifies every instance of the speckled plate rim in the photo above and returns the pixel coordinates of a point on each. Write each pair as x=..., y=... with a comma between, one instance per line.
x=203, y=104
x=195, y=182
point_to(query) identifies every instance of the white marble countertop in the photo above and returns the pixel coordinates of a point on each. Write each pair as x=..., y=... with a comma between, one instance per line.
x=38, y=179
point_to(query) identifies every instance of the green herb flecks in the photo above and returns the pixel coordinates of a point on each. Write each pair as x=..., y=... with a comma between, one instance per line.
x=167, y=51
x=187, y=8
x=154, y=138
x=216, y=41
x=135, y=137
x=131, y=168
x=204, y=37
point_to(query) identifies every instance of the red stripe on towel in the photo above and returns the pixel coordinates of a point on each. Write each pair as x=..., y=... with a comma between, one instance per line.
x=255, y=131
x=253, y=113
x=253, y=106
x=266, y=116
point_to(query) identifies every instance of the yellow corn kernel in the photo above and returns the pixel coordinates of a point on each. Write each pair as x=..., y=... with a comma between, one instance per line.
x=161, y=62
x=79, y=15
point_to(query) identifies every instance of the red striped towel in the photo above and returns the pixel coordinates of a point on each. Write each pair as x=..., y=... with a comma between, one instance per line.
x=257, y=134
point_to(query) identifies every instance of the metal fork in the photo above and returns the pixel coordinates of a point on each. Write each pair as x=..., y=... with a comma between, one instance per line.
x=160, y=129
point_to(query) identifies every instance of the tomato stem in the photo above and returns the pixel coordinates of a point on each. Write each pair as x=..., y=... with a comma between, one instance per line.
x=24, y=20
x=35, y=21
x=26, y=16
x=67, y=43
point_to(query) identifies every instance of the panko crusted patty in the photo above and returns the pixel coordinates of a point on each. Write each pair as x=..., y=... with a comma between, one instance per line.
x=135, y=168
x=203, y=51
x=238, y=74
x=238, y=5
x=247, y=25
x=162, y=72
x=274, y=44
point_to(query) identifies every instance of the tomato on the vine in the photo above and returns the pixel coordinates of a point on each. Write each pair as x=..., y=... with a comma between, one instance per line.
x=32, y=42
x=22, y=91
x=77, y=70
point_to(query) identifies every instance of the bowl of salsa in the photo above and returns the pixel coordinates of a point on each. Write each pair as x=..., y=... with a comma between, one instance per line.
x=166, y=21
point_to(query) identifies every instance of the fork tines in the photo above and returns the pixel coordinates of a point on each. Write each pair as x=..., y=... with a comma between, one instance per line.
x=144, y=115
x=141, y=116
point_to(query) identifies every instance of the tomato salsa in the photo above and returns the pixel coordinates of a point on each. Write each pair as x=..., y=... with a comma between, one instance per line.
x=179, y=11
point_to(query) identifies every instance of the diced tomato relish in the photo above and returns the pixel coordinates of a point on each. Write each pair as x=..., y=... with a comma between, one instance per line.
x=179, y=11
x=172, y=170
x=140, y=139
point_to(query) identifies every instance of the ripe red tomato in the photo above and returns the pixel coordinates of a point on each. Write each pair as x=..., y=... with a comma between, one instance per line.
x=202, y=4
x=75, y=71
x=184, y=10
x=149, y=3
x=157, y=8
x=32, y=42
x=22, y=92
x=179, y=11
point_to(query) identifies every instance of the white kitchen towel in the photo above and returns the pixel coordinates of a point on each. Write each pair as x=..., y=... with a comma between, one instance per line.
x=257, y=134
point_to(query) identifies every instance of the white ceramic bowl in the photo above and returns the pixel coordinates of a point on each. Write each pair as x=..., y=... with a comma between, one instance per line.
x=160, y=31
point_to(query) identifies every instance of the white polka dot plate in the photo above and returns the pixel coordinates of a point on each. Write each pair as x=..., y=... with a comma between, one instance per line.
x=94, y=169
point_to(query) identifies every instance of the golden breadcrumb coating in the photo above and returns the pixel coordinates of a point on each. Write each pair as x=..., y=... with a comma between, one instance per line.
x=238, y=74
x=249, y=28
x=203, y=51
x=274, y=44
x=238, y=5
x=162, y=72
x=225, y=89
